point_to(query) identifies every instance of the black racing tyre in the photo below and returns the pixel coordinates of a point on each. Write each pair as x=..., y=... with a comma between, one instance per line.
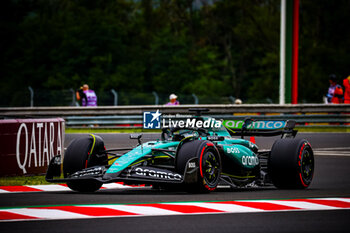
x=291, y=164
x=80, y=154
x=209, y=164
x=84, y=186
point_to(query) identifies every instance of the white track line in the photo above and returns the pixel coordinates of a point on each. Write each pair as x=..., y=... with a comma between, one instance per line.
x=334, y=148
x=333, y=199
x=332, y=153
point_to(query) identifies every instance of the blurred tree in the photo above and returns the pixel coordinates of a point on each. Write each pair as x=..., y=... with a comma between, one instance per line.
x=324, y=46
x=181, y=46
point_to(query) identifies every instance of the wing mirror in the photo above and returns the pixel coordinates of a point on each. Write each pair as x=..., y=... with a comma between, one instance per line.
x=137, y=136
x=247, y=122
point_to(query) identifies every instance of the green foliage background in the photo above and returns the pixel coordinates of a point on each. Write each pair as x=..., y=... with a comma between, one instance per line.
x=228, y=48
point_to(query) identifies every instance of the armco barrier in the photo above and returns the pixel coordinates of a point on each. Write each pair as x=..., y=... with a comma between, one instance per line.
x=226, y=109
x=137, y=121
x=27, y=145
x=20, y=112
x=131, y=116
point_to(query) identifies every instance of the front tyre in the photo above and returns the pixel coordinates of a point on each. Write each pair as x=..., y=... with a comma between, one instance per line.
x=84, y=186
x=81, y=154
x=209, y=164
x=291, y=164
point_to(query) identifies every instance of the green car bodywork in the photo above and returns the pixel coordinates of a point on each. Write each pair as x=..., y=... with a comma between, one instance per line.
x=241, y=153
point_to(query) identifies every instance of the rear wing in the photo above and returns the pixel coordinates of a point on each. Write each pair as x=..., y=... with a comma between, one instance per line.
x=264, y=128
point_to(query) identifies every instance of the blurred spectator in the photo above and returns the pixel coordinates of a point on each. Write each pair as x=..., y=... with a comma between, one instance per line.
x=346, y=84
x=173, y=100
x=335, y=91
x=87, y=96
x=238, y=101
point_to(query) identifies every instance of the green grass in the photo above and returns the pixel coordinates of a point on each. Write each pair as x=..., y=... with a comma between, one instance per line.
x=323, y=129
x=22, y=180
x=109, y=130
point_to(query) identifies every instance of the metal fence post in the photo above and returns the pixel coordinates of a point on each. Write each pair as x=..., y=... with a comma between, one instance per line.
x=156, y=102
x=115, y=94
x=195, y=98
x=74, y=102
x=31, y=96
x=232, y=99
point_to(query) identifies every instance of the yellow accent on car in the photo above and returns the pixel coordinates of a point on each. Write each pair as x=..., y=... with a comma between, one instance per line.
x=186, y=138
x=240, y=177
x=93, y=144
x=229, y=129
x=143, y=160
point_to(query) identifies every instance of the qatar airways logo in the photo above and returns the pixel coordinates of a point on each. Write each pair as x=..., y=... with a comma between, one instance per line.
x=37, y=143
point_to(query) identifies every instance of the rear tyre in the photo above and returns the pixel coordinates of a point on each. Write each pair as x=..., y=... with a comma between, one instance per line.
x=80, y=154
x=291, y=164
x=209, y=163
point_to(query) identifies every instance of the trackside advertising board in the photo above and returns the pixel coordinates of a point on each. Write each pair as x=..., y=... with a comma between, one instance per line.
x=27, y=145
x=260, y=124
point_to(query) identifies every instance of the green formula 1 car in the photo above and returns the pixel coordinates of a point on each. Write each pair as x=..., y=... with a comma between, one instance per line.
x=189, y=158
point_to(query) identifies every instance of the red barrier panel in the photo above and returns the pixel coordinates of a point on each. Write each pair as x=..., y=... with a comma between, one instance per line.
x=27, y=145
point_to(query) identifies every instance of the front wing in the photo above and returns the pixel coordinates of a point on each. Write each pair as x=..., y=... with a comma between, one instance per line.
x=132, y=175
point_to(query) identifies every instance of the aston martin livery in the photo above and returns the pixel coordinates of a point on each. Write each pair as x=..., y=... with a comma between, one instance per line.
x=193, y=159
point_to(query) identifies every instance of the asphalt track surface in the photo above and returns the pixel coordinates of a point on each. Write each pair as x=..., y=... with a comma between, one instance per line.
x=331, y=179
